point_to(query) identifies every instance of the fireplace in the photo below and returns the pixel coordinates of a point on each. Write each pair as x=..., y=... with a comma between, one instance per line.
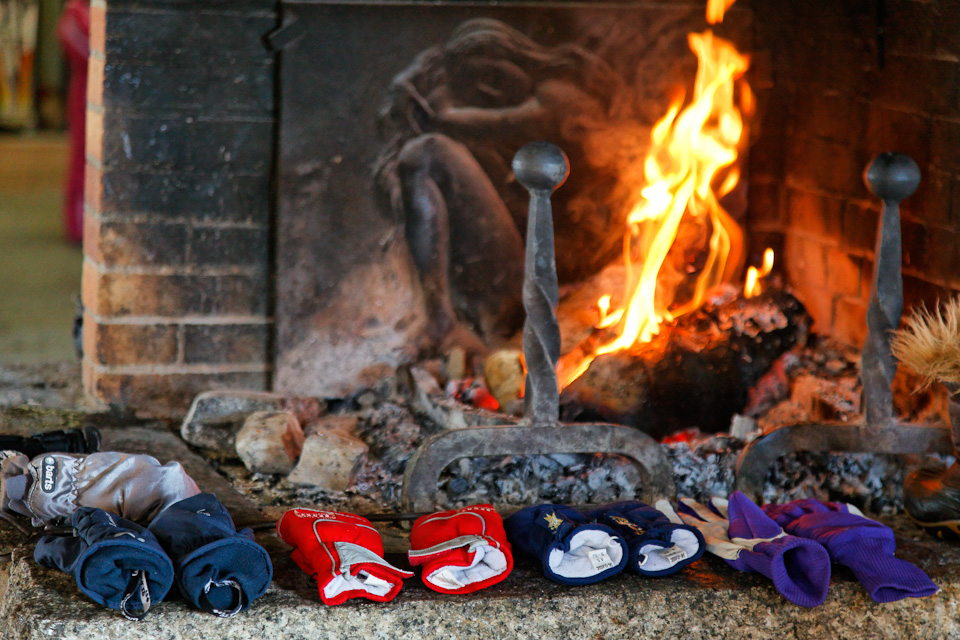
x=228, y=233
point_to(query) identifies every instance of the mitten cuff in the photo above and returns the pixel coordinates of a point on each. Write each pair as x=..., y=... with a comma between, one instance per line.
x=885, y=577
x=799, y=568
x=667, y=551
x=225, y=576
x=361, y=573
x=464, y=564
x=588, y=554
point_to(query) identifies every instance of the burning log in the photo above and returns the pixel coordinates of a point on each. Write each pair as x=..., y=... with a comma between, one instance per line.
x=694, y=373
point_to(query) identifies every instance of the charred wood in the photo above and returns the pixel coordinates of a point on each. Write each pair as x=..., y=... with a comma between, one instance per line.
x=695, y=373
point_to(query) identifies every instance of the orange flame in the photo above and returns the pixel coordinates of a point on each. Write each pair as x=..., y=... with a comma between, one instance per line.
x=716, y=9
x=751, y=285
x=692, y=146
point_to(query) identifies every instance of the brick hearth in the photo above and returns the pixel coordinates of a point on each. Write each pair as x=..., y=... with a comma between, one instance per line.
x=176, y=277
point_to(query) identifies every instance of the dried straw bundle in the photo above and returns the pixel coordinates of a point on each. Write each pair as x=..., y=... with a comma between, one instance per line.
x=929, y=343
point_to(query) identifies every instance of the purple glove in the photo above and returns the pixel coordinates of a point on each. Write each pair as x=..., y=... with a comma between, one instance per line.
x=750, y=541
x=863, y=545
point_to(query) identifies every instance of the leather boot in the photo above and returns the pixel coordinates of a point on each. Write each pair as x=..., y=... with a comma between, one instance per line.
x=931, y=495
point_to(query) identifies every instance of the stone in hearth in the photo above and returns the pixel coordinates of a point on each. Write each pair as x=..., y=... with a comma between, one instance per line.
x=270, y=441
x=216, y=416
x=329, y=459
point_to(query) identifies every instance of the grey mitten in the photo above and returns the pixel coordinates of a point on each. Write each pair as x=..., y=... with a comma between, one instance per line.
x=52, y=486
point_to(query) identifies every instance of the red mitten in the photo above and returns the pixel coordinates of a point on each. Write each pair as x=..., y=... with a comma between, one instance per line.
x=343, y=552
x=461, y=551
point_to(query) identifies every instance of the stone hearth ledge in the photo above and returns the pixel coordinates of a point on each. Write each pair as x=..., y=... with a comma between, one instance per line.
x=707, y=600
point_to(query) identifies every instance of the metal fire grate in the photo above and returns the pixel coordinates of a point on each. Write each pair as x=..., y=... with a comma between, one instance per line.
x=541, y=168
x=892, y=177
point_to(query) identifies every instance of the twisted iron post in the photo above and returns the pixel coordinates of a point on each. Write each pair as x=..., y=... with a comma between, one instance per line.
x=541, y=168
x=891, y=177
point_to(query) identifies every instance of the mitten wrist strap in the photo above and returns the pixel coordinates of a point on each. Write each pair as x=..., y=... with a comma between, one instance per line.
x=471, y=542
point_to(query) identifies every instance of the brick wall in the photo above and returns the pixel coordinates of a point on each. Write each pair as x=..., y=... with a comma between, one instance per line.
x=176, y=278
x=829, y=106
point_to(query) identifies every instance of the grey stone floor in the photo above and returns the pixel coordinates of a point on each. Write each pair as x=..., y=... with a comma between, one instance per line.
x=39, y=270
x=707, y=600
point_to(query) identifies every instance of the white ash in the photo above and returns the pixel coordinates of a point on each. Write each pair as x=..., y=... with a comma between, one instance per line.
x=869, y=481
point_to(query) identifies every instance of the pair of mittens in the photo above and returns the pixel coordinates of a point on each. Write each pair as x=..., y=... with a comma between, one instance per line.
x=741, y=534
x=657, y=547
x=462, y=550
x=115, y=562
x=864, y=546
x=343, y=552
x=218, y=569
x=571, y=549
x=121, y=565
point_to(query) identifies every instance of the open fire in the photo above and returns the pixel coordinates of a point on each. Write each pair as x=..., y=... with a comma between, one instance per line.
x=680, y=242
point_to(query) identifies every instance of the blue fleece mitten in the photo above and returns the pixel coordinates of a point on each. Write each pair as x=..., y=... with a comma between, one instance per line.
x=116, y=562
x=571, y=549
x=218, y=570
x=863, y=545
x=657, y=546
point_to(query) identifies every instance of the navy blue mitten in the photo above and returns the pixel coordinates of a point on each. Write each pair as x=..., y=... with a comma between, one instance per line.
x=571, y=550
x=116, y=562
x=218, y=569
x=657, y=546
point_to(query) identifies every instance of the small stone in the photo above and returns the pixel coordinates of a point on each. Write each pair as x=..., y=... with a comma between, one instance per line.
x=341, y=423
x=270, y=441
x=743, y=428
x=457, y=364
x=216, y=416
x=504, y=375
x=329, y=460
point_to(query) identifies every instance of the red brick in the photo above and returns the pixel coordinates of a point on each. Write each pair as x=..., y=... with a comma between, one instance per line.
x=95, y=70
x=945, y=145
x=91, y=237
x=926, y=85
x=832, y=115
x=814, y=214
x=763, y=206
x=134, y=294
x=226, y=343
x=98, y=26
x=858, y=232
x=915, y=28
x=166, y=395
x=93, y=188
x=843, y=273
x=932, y=201
x=121, y=243
x=891, y=130
x=824, y=165
x=850, y=321
x=94, y=134
x=90, y=287
x=941, y=259
x=129, y=344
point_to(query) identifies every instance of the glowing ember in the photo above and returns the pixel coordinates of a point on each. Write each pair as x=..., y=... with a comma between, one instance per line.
x=692, y=147
x=751, y=286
